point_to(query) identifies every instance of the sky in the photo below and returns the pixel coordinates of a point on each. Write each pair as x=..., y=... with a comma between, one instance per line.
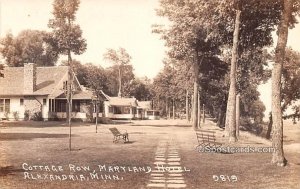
x=105, y=24
x=112, y=24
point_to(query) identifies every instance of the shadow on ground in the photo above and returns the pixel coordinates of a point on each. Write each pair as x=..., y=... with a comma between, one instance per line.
x=9, y=170
x=30, y=136
x=41, y=124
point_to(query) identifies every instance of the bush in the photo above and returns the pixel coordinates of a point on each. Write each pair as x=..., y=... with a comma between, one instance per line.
x=6, y=115
x=37, y=116
x=26, y=115
x=16, y=115
x=103, y=120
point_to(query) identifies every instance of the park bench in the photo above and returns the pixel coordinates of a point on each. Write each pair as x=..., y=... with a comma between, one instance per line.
x=207, y=139
x=118, y=136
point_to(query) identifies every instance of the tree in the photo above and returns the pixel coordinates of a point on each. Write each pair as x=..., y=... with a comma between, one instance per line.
x=140, y=88
x=80, y=70
x=66, y=37
x=189, y=38
x=28, y=46
x=120, y=59
x=1, y=68
x=291, y=78
x=277, y=133
x=230, y=123
x=96, y=80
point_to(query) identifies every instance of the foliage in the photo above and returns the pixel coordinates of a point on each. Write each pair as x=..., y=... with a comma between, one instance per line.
x=291, y=78
x=201, y=32
x=121, y=68
x=1, y=68
x=140, y=88
x=28, y=46
x=6, y=115
x=16, y=116
x=26, y=115
x=37, y=116
x=96, y=79
x=66, y=36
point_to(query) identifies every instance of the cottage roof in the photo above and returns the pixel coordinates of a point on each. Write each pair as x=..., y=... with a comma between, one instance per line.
x=86, y=94
x=147, y=105
x=48, y=81
x=121, y=101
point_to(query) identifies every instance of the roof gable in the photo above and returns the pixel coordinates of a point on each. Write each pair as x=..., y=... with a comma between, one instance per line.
x=47, y=79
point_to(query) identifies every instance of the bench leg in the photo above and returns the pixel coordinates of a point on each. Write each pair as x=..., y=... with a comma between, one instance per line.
x=125, y=137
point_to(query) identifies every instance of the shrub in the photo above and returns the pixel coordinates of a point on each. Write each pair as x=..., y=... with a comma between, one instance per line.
x=37, y=116
x=6, y=115
x=16, y=115
x=26, y=115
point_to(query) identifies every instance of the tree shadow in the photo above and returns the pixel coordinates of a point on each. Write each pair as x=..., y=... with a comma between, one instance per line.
x=9, y=170
x=30, y=136
x=129, y=142
x=153, y=125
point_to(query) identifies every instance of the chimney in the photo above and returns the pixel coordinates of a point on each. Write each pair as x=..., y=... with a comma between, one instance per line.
x=29, y=78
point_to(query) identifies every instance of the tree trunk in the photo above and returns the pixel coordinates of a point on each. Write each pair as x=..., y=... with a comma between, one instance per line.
x=199, y=111
x=237, y=115
x=230, y=126
x=277, y=133
x=268, y=134
x=173, y=108
x=120, y=83
x=192, y=108
x=195, y=99
x=187, y=106
x=97, y=112
x=167, y=108
x=69, y=97
x=203, y=113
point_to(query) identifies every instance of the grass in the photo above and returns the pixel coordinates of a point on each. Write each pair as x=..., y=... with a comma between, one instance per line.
x=46, y=143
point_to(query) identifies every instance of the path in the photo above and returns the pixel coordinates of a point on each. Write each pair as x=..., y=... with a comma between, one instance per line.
x=168, y=172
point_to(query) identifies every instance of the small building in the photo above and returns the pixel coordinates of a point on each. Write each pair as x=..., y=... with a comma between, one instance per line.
x=120, y=108
x=32, y=92
x=145, y=110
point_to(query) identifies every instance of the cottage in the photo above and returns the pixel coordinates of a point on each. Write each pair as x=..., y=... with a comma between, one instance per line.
x=145, y=110
x=32, y=92
x=120, y=108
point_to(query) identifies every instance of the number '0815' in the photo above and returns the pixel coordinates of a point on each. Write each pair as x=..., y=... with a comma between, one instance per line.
x=225, y=178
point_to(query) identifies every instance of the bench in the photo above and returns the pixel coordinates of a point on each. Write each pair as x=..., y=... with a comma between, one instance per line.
x=118, y=136
x=207, y=139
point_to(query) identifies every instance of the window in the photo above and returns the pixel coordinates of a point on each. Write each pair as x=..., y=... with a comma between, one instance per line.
x=21, y=101
x=76, y=106
x=4, y=105
x=126, y=110
x=122, y=110
x=111, y=110
x=1, y=105
x=65, y=85
x=7, y=105
x=117, y=110
x=44, y=102
x=134, y=110
x=50, y=106
x=149, y=113
x=61, y=105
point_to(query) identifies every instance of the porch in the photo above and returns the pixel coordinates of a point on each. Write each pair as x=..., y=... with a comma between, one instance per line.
x=82, y=109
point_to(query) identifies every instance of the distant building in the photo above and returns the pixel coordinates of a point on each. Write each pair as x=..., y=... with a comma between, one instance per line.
x=31, y=92
x=145, y=110
x=120, y=108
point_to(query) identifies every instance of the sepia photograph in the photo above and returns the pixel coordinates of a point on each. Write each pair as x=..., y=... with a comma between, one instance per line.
x=149, y=94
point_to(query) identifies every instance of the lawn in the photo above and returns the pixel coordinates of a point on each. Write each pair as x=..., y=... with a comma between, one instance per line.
x=36, y=155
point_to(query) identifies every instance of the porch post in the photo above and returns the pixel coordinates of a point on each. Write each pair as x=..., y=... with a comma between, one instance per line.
x=54, y=105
